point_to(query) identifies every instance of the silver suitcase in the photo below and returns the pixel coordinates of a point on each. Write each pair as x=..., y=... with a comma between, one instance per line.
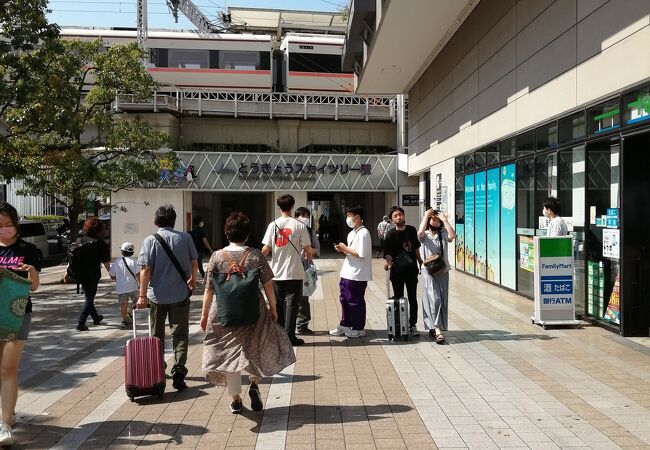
x=397, y=315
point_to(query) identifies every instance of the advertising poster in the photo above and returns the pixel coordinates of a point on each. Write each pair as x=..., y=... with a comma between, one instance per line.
x=460, y=246
x=493, y=238
x=480, y=226
x=613, y=312
x=527, y=253
x=508, y=221
x=611, y=243
x=469, y=224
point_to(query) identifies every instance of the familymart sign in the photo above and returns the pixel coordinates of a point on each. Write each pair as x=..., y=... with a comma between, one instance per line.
x=554, y=293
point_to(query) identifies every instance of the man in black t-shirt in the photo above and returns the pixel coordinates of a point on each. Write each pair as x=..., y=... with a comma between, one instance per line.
x=402, y=256
x=200, y=242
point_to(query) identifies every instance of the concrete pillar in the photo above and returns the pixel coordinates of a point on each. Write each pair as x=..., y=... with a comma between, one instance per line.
x=288, y=135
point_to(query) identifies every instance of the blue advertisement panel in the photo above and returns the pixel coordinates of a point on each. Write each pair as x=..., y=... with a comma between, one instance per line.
x=508, y=224
x=493, y=236
x=460, y=246
x=469, y=224
x=480, y=228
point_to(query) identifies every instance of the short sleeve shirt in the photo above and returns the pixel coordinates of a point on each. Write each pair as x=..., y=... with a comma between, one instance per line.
x=166, y=285
x=124, y=281
x=405, y=240
x=286, y=237
x=358, y=268
x=20, y=252
x=557, y=227
x=219, y=264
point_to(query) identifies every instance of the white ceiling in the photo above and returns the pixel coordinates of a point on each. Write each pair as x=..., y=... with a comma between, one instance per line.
x=411, y=33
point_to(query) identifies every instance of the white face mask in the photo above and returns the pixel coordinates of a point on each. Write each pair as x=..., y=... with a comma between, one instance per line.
x=349, y=222
x=303, y=220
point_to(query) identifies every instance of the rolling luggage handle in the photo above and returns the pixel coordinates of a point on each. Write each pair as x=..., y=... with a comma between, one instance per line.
x=387, y=283
x=135, y=334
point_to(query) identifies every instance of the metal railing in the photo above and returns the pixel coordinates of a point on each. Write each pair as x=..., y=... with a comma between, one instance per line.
x=265, y=104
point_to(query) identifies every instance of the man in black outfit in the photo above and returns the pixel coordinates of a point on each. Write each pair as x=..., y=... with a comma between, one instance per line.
x=200, y=242
x=402, y=256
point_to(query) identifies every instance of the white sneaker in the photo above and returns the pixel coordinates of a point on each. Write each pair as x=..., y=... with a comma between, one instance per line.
x=413, y=331
x=355, y=333
x=340, y=331
x=6, y=436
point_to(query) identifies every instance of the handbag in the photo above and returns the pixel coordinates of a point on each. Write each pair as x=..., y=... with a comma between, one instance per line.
x=435, y=264
x=237, y=293
x=402, y=263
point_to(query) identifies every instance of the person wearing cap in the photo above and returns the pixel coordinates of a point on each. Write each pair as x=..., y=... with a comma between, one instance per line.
x=124, y=271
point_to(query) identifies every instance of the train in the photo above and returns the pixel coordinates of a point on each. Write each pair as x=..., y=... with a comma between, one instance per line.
x=298, y=63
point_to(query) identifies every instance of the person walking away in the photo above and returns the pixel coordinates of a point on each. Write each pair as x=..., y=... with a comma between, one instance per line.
x=87, y=255
x=200, y=242
x=382, y=230
x=557, y=226
x=304, y=309
x=261, y=348
x=402, y=256
x=125, y=272
x=435, y=234
x=355, y=274
x=22, y=258
x=168, y=264
x=283, y=239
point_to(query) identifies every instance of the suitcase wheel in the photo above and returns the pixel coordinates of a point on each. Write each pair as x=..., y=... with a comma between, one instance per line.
x=390, y=337
x=132, y=398
x=405, y=337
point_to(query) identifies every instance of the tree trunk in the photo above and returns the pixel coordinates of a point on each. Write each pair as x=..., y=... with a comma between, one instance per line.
x=73, y=215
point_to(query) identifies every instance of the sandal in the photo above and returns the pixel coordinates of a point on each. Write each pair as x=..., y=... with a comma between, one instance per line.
x=440, y=339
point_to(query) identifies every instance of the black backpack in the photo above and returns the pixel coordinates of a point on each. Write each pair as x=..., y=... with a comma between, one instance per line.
x=82, y=260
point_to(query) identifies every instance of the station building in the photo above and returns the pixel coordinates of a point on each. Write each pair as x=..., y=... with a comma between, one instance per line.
x=512, y=101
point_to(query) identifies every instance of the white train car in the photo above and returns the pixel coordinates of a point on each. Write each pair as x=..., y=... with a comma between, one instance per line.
x=186, y=60
x=314, y=64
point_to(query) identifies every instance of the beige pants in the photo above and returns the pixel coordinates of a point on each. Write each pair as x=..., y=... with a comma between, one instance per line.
x=233, y=382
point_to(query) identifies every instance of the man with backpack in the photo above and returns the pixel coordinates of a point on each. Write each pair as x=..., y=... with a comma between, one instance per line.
x=86, y=255
x=168, y=265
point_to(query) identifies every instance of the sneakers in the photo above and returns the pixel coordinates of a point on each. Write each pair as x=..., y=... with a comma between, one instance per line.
x=125, y=325
x=179, y=384
x=256, y=400
x=304, y=330
x=413, y=331
x=98, y=320
x=82, y=328
x=6, y=436
x=355, y=333
x=296, y=342
x=340, y=331
x=235, y=407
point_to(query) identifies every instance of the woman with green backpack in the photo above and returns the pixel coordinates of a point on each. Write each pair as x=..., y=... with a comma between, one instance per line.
x=241, y=329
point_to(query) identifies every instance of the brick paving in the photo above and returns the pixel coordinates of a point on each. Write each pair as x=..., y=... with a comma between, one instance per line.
x=501, y=382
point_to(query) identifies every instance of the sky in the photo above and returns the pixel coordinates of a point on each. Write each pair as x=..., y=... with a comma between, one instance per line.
x=121, y=13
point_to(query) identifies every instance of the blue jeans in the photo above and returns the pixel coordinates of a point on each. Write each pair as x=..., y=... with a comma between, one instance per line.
x=90, y=290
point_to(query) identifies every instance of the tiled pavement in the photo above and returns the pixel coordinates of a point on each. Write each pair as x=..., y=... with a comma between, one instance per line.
x=500, y=382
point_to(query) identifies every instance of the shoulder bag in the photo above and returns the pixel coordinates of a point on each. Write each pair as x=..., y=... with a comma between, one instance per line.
x=137, y=280
x=435, y=264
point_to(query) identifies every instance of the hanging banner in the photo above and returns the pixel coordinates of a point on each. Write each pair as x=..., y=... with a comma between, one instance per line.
x=613, y=312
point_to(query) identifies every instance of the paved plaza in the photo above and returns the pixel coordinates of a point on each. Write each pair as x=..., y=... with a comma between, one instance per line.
x=499, y=382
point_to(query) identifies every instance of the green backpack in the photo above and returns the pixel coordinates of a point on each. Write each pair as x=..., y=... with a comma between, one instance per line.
x=237, y=292
x=15, y=291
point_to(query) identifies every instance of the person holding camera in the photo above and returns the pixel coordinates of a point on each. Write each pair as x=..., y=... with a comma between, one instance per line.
x=402, y=257
x=435, y=234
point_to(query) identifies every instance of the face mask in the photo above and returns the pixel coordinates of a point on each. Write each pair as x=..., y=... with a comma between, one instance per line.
x=349, y=222
x=201, y=224
x=303, y=220
x=7, y=232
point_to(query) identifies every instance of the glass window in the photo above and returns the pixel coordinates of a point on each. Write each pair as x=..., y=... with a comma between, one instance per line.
x=546, y=136
x=460, y=164
x=31, y=229
x=238, y=60
x=636, y=106
x=314, y=62
x=526, y=218
x=572, y=127
x=480, y=160
x=545, y=184
x=189, y=59
x=492, y=155
x=508, y=149
x=604, y=117
x=469, y=162
x=526, y=144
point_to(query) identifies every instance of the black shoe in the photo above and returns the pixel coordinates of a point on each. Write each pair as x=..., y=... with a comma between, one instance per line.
x=305, y=330
x=98, y=320
x=296, y=342
x=82, y=328
x=179, y=385
x=256, y=400
x=235, y=407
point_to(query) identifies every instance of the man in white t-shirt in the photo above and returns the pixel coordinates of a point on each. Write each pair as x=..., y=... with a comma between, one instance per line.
x=355, y=274
x=556, y=225
x=284, y=238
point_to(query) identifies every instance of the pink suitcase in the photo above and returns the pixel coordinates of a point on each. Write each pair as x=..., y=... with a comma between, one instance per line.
x=144, y=368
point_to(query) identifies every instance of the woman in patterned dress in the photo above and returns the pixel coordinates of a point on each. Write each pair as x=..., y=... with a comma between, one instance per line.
x=262, y=349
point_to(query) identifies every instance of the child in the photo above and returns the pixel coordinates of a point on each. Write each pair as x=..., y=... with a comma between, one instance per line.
x=124, y=272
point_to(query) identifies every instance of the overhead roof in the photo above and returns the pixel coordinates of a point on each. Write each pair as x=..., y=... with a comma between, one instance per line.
x=269, y=20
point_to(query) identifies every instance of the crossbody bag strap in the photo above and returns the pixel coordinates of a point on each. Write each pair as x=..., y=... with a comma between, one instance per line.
x=288, y=239
x=171, y=256
x=130, y=271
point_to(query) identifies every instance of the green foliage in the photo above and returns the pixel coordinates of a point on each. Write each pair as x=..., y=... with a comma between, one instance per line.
x=62, y=135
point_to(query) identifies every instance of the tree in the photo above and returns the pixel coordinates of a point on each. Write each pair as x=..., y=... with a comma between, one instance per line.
x=67, y=140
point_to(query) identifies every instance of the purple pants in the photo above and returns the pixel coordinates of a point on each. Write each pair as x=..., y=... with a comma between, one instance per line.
x=353, y=303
